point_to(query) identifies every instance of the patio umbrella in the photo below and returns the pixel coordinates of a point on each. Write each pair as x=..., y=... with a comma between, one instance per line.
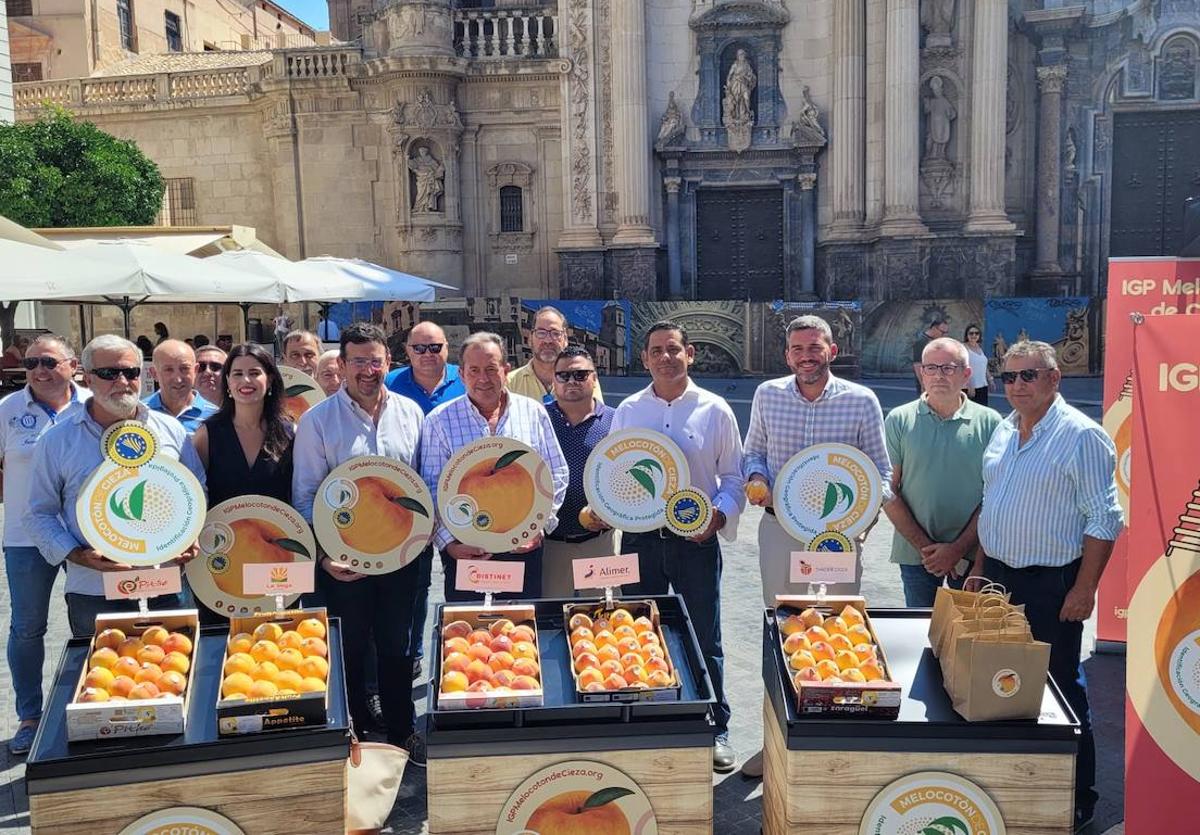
x=377, y=283
x=299, y=282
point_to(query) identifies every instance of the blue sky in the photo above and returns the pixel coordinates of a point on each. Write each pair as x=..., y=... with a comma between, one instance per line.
x=313, y=12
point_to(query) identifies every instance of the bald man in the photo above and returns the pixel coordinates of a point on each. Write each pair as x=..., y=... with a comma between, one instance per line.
x=174, y=370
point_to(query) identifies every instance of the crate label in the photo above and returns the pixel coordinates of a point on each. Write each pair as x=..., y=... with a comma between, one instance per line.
x=601, y=572
x=827, y=567
x=937, y=800
x=489, y=576
x=250, y=724
x=185, y=820
x=285, y=578
x=148, y=582
x=577, y=796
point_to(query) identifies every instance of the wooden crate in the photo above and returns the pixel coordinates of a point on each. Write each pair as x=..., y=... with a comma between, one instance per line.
x=677, y=781
x=285, y=800
x=829, y=791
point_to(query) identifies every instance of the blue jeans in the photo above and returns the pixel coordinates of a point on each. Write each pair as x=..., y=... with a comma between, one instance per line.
x=1043, y=590
x=694, y=573
x=920, y=586
x=30, y=583
x=83, y=608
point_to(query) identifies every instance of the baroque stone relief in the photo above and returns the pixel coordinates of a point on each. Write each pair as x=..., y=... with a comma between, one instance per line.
x=1177, y=70
x=428, y=179
x=738, y=115
x=580, y=86
x=425, y=114
x=807, y=130
x=937, y=19
x=672, y=126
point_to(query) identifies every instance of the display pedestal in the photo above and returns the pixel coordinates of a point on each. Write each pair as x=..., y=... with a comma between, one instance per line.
x=821, y=774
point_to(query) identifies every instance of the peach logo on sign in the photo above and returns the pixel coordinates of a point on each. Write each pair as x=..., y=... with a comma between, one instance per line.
x=824, y=567
x=489, y=576
x=278, y=577
x=129, y=585
x=599, y=572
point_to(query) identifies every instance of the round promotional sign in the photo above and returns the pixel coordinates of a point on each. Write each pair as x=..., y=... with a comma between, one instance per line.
x=629, y=475
x=373, y=513
x=495, y=494
x=239, y=532
x=688, y=512
x=300, y=392
x=183, y=820
x=930, y=802
x=1118, y=423
x=577, y=796
x=144, y=516
x=827, y=487
x=128, y=443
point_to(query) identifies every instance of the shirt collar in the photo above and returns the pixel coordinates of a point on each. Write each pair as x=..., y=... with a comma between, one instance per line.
x=155, y=402
x=1057, y=407
x=833, y=387
x=556, y=410
x=30, y=400
x=959, y=413
x=692, y=390
x=353, y=406
x=84, y=415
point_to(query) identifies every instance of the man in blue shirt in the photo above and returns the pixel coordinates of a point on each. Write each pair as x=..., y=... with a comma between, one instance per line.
x=175, y=372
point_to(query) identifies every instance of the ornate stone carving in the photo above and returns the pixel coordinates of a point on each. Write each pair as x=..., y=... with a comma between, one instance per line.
x=937, y=19
x=806, y=181
x=1012, y=101
x=425, y=114
x=607, y=131
x=1051, y=79
x=429, y=175
x=738, y=115
x=1177, y=71
x=940, y=114
x=937, y=176
x=581, y=154
x=1071, y=151
x=672, y=125
x=807, y=129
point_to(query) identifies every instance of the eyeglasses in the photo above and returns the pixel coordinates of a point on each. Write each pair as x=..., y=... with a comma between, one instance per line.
x=214, y=367
x=30, y=363
x=361, y=363
x=579, y=375
x=543, y=333
x=431, y=347
x=945, y=370
x=110, y=374
x=974, y=333
x=1028, y=375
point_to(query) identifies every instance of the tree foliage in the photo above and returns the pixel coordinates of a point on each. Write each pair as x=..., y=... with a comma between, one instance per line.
x=57, y=171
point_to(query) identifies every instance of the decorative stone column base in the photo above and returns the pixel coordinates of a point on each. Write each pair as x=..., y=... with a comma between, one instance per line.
x=1051, y=281
x=947, y=267
x=581, y=274
x=634, y=273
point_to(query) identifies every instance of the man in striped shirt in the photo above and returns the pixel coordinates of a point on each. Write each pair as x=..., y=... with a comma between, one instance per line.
x=1049, y=518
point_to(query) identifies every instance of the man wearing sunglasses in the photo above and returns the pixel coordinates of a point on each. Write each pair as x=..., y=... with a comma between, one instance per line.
x=210, y=364
x=49, y=397
x=65, y=459
x=580, y=422
x=174, y=370
x=547, y=339
x=1046, y=530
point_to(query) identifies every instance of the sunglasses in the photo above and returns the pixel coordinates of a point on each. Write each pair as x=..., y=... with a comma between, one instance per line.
x=214, y=367
x=974, y=333
x=30, y=363
x=110, y=374
x=1026, y=374
x=431, y=347
x=578, y=376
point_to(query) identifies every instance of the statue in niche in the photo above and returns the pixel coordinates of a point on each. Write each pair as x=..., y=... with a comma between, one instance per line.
x=429, y=175
x=1177, y=73
x=671, y=127
x=937, y=18
x=739, y=84
x=1072, y=150
x=808, y=126
x=940, y=113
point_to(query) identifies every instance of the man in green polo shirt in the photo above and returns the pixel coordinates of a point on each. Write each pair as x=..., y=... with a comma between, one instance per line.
x=936, y=446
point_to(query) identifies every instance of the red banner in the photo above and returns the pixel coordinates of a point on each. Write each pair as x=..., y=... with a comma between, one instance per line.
x=1151, y=287
x=1162, y=716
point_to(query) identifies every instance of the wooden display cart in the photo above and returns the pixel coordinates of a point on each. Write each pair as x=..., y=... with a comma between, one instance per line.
x=477, y=758
x=290, y=782
x=822, y=773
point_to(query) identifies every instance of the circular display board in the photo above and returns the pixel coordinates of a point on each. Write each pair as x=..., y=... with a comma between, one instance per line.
x=128, y=443
x=577, y=796
x=237, y=533
x=373, y=513
x=191, y=820
x=827, y=487
x=629, y=475
x=688, y=512
x=932, y=801
x=1118, y=423
x=144, y=516
x=495, y=494
x=300, y=392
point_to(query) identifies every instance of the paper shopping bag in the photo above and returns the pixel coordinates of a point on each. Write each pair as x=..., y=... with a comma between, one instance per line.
x=999, y=674
x=948, y=602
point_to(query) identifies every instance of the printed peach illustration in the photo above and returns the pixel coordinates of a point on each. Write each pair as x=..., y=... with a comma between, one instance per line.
x=383, y=517
x=294, y=404
x=581, y=813
x=255, y=541
x=503, y=493
x=1179, y=620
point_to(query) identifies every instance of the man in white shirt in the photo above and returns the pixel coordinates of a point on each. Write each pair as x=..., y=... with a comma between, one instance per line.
x=705, y=428
x=364, y=418
x=48, y=397
x=488, y=408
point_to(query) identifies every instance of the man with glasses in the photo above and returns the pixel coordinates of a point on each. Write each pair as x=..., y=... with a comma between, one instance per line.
x=547, y=339
x=174, y=370
x=210, y=364
x=936, y=444
x=1046, y=530
x=300, y=350
x=580, y=422
x=49, y=397
x=68, y=454
x=364, y=418
x=488, y=408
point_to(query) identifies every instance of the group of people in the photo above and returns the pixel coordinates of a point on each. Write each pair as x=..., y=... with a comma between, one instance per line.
x=1028, y=500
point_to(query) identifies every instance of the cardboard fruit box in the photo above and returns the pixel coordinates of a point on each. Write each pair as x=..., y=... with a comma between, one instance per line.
x=251, y=715
x=166, y=714
x=666, y=691
x=495, y=694
x=874, y=699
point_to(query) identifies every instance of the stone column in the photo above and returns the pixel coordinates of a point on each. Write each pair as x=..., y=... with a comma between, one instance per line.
x=631, y=123
x=808, y=234
x=1050, y=80
x=848, y=152
x=674, y=265
x=901, y=214
x=989, y=80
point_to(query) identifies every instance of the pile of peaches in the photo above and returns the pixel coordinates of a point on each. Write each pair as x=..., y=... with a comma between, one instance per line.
x=830, y=648
x=617, y=651
x=123, y=668
x=273, y=661
x=498, y=659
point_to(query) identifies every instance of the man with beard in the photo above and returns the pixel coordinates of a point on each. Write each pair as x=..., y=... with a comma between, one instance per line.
x=48, y=398
x=210, y=364
x=706, y=430
x=68, y=454
x=364, y=418
x=547, y=339
x=175, y=372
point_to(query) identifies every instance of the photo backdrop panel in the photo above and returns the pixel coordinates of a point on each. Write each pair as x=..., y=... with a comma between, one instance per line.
x=1066, y=322
x=891, y=327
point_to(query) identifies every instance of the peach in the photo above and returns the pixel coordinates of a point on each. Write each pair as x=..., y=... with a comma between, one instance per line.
x=811, y=617
x=264, y=651
x=595, y=687
x=865, y=652
x=126, y=667
x=660, y=678
x=477, y=670
x=581, y=647
x=501, y=626
x=642, y=625
x=608, y=653
x=479, y=636
x=177, y=642
x=149, y=673
x=457, y=662
x=806, y=674
x=858, y=633
x=632, y=659
x=93, y=694
x=604, y=637
x=452, y=645
x=172, y=682
x=524, y=683
x=239, y=662
x=525, y=667
x=524, y=649
x=625, y=630
x=288, y=680
x=236, y=683
x=852, y=615
x=454, y=629
x=501, y=643
x=635, y=675
x=272, y=632
x=290, y=659
x=795, y=642
x=176, y=661
x=792, y=625
x=801, y=659
x=600, y=624
x=579, y=619
x=290, y=639
x=452, y=682
x=585, y=660
x=591, y=674
x=480, y=686
x=100, y=677
x=241, y=642
x=266, y=671
x=521, y=632
x=645, y=638
x=151, y=654
x=840, y=642
x=121, y=686
x=823, y=651
x=835, y=679
x=855, y=675
x=263, y=690
x=314, y=646
x=657, y=665
x=757, y=491
x=827, y=669
x=612, y=667
x=110, y=638
x=628, y=645
x=504, y=678
x=146, y=690
x=614, y=681
x=817, y=633
x=312, y=685
x=129, y=647
x=619, y=618
x=846, y=659
x=872, y=671
x=155, y=636
x=582, y=633
x=501, y=661
x=653, y=651
x=834, y=625
x=479, y=652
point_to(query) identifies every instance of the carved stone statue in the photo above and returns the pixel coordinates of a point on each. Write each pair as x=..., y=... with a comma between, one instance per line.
x=739, y=84
x=1071, y=152
x=808, y=126
x=940, y=113
x=429, y=174
x=671, y=127
x=937, y=17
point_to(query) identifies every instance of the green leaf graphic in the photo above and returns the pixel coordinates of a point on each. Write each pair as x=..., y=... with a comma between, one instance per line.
x=137, y=498
x=947, y=825
x=293, y=546
x=649, y=463
x=846, y=493
x=218, y=541
x=412, y=504
x=643, y=478
x=604, y=796
x=507, y=458
x=344, y=496
x=298, y=388
x=114, y=505
x=831, y=498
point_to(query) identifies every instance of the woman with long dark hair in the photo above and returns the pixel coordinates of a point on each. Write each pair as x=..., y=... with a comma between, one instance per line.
x=981, y=377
